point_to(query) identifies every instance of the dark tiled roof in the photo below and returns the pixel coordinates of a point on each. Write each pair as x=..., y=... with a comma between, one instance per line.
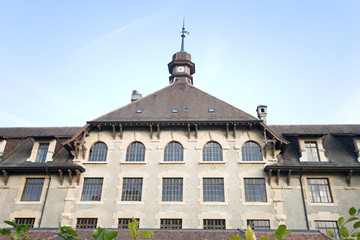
x=317, y=129
x=38, y=132
x=191, y=103
x=179, y=234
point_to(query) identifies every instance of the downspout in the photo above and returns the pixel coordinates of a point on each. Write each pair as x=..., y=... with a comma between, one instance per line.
x=303, y=199
x=46, y=194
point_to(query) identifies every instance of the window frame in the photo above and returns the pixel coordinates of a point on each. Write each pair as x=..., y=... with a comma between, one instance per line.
x=170, y=223
x=312, y=152
x=135, y=153
x=132, y=187
x=42, y=152
x=89, y=190
x=98, y=153
x=251, y=152
x=335, y=228
x=315, y=187
x=175, y=189
x=123, y=223
x=249, y=198
x=210, y=189
x=214, y=223
x=32, y=188
x=29, y=221
x=258, y=224
x=87, y=224
x=174, y=153
x=212, y=152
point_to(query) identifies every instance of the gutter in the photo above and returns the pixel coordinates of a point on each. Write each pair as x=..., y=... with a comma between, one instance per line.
x=46, y=194
x=303, y=200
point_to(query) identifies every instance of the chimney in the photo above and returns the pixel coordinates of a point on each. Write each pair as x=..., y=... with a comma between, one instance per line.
x=262, y=112
x=135, y=96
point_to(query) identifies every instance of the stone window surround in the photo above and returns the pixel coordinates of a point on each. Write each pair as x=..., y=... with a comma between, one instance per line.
x=171, y=214
x=322, y=216
x=255, y=215
x=2, y=146
x=331, y=186
x=26, y=213
x=81, y=185
x=357, y=141
x=87, y=214
x=254, y=174
x=214, y=174
x=215, y=215
x=132, y=174
x=320, y=148
x=128, y=214
x=172, y=174
x=22, y=187
x=35, y=149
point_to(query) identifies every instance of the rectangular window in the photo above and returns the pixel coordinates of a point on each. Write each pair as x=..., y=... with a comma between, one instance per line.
x=312, y=151
x=323, y=226
x=124, y=222
x=29, y=221
x=171, y=223
x=86, y=223
x=92, y=189
x=258, y=224
x=33, y=189
x=319, y=190
x=255, y=190
x=42, y=152
x=214, y=224
x=213, y=190
x=131, y=190
x=172, y=189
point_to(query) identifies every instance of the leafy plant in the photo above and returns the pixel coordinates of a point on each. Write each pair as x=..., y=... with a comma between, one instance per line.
x=279, y=234
x=344, y=232
x=20, y=231
x=133, y=227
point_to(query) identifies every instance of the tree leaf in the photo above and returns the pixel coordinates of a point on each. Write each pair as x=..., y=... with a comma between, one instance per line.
x=356, y=225
x=5, y=232
x=110, y=235
x=352, y=219
x=352, y=211
x=249, y=234
x=132, y=229
x=330, y=233
x=340, y=221
x=264, y=238
x=16, y=235
x=98, y=233
x=286, y=233
x=344, y=232
x=11, y=223
x=281, y=228
x=147, y=234
x=235, y=238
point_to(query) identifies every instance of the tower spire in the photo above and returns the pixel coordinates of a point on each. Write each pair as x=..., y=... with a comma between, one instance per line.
x=183, y=32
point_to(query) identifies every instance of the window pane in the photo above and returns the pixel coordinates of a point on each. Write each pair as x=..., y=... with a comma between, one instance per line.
x=29, y=221
x=42, y=152
x=212, y=151
x=86, y=223
x=92, y=189
x=171, y=223
x=255, y=190
x=33, y=189
x=135, y=152
x=214, y=224
x=251, y=151
x=124, y=222
x=98, y=152
x=312, y=151
x=319, y=190
x=173, y=152
x=258, y=224
x=132, y=189
x=213, y=190
x=323, y=226
x=172, y=189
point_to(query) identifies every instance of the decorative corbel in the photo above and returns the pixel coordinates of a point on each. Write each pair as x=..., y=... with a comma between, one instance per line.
x=278, y=177
x=158, y=131
x=273, y=149
x=269, y=176
x=189, y=131
x=151, y=132
x=70, y=176
x=250, y=126
x=99, y=127
x=6, y=176
x=78, y=174
x=76, y=150
x=114, y=131
x=227, y=131
x=83, y=150
x=61, y=175
x=196, y=131
x=288, y=178
x=121, y=132
x=234, y=134
x=348, y=178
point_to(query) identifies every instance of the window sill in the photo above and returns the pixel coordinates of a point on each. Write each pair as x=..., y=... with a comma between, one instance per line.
x=133, y=163
x=130, y=202
x=96, y=163
x=256, y=203
x=90, y=202
x=252, y=162
x=333, y=204
x=171, y=203
x=212, y=162
x=172, y=162
x=29, y=202
x=214, y=203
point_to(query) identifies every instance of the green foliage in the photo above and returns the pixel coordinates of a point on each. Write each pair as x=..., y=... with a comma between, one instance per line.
x=344, y=232
x=103, y=234
x=279, y=234
x=66, y=232
x=133, y=227
x=20, y=231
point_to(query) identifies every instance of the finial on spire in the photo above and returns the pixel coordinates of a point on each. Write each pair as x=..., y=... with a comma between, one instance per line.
x=183, y=32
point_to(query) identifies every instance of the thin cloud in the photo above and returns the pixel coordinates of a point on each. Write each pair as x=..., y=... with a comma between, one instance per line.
x=109, y=35
x=9, y=120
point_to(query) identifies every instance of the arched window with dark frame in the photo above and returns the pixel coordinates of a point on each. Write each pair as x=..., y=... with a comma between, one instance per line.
x=98, y=152
x=212, y=152
x=251, y=152
x=135, y=152
x=174, y=152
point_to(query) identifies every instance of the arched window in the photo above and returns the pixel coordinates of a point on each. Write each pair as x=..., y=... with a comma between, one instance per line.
x=98, y=152
x=135, y=152
x=251, y=151
x=212, y=151
x=174, y=152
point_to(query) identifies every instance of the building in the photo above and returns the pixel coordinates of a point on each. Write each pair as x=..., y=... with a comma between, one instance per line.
x=180, y=158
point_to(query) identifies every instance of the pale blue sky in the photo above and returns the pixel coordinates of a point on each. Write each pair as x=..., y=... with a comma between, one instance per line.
x=63, y=63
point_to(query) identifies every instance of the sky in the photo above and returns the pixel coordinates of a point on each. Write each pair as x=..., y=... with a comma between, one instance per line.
x=63, y=63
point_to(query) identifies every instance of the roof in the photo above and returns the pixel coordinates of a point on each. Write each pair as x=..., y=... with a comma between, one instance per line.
x=191, y=104
x=39, y=132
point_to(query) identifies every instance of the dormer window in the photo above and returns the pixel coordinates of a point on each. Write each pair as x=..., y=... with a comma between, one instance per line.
x=312, y=152
x=139, y=111
x=211, y=110
x=42, y=152
x=174, y=110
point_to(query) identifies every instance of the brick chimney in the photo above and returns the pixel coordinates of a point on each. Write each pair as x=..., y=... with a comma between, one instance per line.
x=262, y=112
x=135, y=96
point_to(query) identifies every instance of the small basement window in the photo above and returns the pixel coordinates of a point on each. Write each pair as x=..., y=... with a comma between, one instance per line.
x=139, y=111
x=211, y=109
x=174, y=110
